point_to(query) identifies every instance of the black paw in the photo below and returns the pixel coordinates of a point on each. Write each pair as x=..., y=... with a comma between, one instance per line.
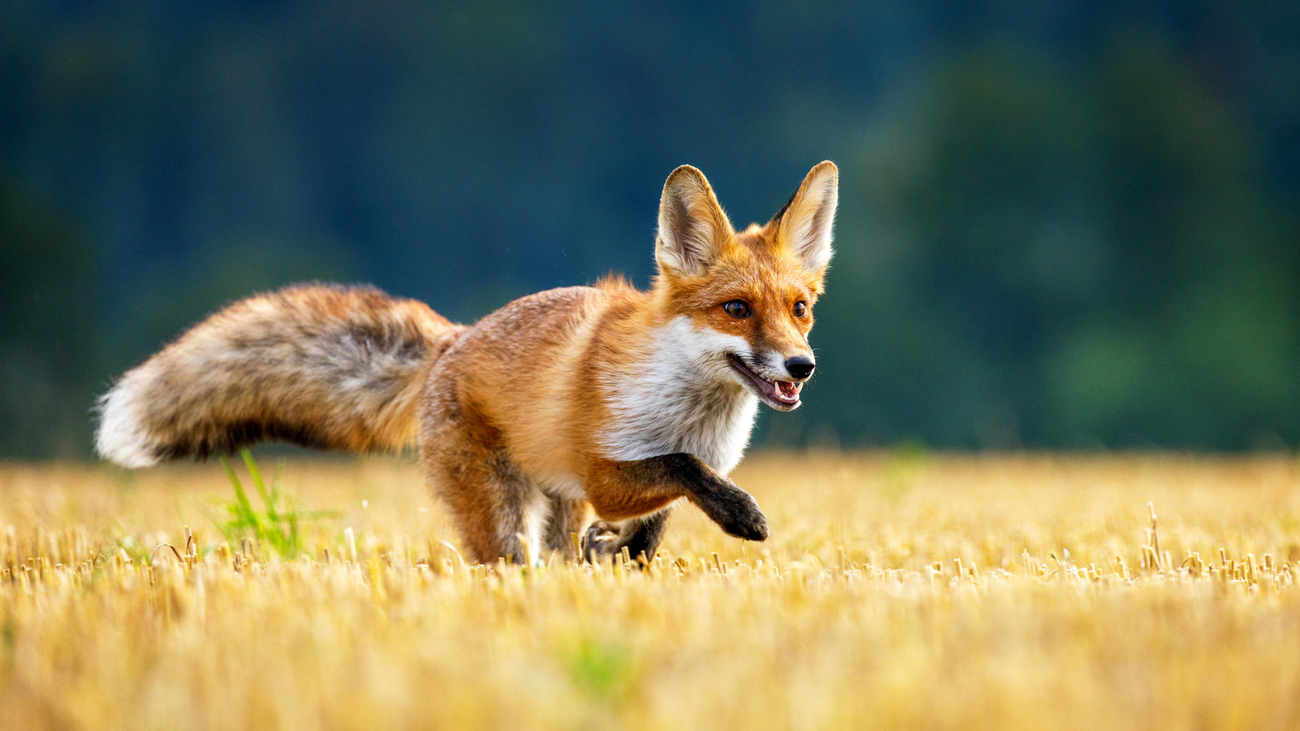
x=748, y=522
x=737, y=513
x=600, y=542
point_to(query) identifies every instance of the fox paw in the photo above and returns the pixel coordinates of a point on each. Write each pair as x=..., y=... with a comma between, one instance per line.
x=749, y=524
x=600, y=541
x=738, y=514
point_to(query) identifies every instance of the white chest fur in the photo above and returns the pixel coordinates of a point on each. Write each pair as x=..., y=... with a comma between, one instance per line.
x=681, y=397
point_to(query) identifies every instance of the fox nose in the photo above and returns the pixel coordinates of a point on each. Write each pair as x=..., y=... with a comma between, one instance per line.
x=800, y=366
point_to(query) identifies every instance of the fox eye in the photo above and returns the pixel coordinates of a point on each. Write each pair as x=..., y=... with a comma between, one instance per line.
x=800, y=309
x=738, y=309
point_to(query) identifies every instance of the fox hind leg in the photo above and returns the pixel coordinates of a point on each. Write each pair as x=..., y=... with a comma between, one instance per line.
x=566, y=519
x=499, y=512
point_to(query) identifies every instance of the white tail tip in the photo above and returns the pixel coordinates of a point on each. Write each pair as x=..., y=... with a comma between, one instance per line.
x=121, y=437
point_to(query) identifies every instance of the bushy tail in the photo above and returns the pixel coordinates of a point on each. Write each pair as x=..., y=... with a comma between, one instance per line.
x=320, y=366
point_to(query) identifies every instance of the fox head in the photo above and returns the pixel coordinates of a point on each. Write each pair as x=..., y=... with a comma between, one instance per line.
x=749, y=294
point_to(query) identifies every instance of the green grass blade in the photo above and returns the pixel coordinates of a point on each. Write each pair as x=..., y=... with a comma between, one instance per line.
x=258, y=482
x=273, y=528
x=243, y=508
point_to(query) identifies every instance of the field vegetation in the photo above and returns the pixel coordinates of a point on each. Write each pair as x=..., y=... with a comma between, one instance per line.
x=897, y=590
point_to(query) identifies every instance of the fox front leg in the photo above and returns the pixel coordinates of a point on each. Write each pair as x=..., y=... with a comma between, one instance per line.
x=623, y=490
x=640, y=536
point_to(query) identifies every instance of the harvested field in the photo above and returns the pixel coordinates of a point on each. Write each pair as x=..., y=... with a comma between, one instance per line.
x=897, y=590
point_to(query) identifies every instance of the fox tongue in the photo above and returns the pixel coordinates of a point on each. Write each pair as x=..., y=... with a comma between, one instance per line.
x=777, y=392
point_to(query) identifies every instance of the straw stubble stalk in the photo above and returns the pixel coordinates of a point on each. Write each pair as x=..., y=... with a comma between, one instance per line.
x=848, y=616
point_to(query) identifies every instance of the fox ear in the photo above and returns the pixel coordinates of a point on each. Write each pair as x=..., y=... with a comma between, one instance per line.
x=806, y=221
x=692, y=226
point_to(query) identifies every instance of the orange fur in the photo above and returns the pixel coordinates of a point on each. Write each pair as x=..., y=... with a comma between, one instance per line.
x=569, y=400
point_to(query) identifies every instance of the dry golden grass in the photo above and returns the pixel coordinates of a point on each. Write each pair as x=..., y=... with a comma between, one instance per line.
x=895, y=592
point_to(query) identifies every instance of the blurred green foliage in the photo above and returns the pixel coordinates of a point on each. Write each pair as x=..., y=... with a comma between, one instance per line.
x=1061, y=225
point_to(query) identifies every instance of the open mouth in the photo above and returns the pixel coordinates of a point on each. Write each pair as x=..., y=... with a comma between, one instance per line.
x=782, y=395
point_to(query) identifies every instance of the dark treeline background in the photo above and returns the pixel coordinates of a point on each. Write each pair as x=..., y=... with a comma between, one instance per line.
x=1062, y=224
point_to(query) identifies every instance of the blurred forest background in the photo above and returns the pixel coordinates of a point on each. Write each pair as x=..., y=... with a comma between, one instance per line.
x=1066, y=224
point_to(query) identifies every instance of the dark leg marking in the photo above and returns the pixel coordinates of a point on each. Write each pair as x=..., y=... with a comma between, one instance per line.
x=640, y=536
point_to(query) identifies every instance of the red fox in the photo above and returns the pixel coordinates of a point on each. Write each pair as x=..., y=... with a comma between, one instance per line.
x=601, y=399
